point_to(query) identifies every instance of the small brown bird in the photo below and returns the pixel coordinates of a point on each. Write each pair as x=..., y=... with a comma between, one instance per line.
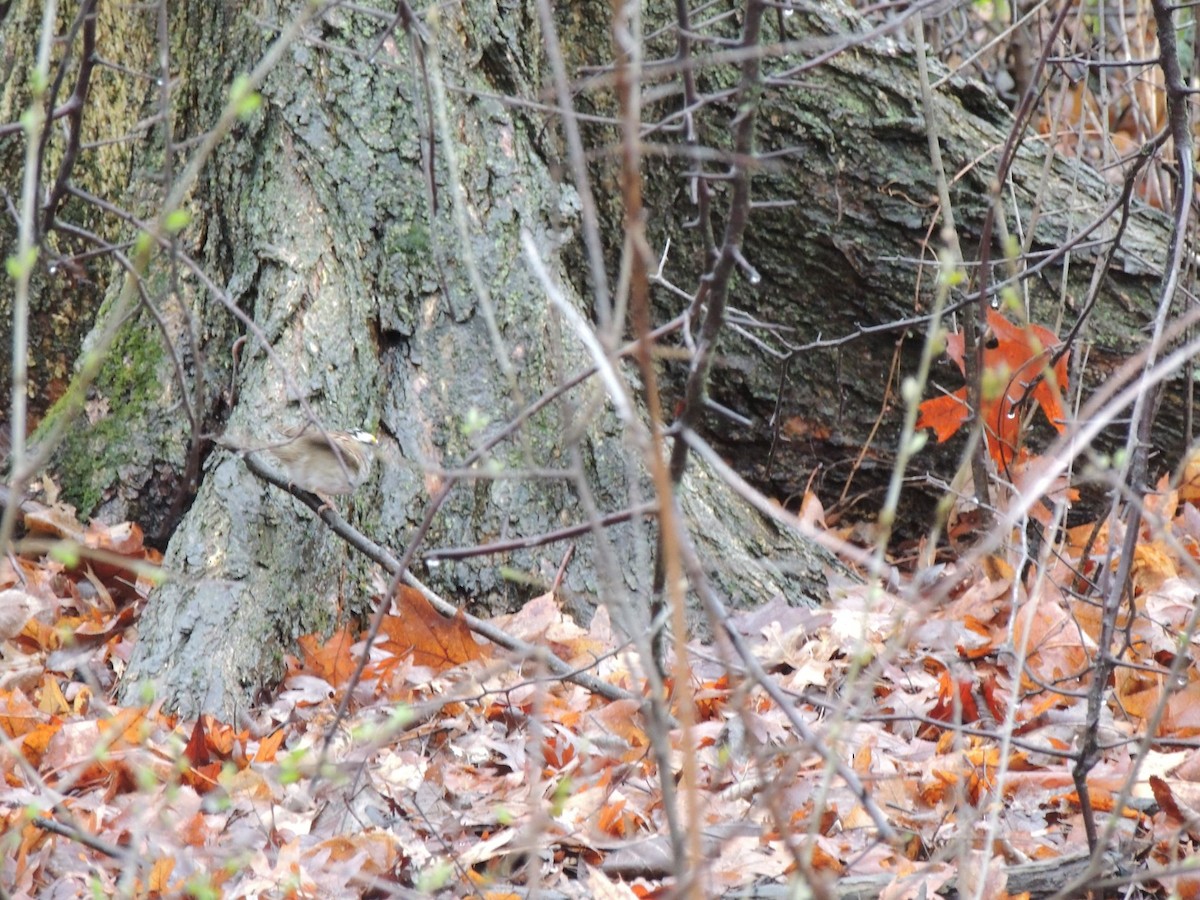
x=329, y=462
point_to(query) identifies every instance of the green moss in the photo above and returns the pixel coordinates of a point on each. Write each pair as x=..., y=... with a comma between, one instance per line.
x=130, y=374
x=412, y=241
x=102, y=441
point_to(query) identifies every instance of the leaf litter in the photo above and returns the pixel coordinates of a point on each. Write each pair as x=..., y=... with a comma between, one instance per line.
x=462, y=771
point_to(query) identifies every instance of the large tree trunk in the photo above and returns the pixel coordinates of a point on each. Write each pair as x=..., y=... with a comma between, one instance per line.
x=322, y=241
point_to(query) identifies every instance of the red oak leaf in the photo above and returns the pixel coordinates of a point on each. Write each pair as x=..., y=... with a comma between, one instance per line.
x=1015, y=360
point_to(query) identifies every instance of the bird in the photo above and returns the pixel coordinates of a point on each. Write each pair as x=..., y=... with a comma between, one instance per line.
x=325, y=462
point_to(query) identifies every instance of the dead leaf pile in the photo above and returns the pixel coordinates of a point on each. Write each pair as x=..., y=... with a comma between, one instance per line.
x=464, y=770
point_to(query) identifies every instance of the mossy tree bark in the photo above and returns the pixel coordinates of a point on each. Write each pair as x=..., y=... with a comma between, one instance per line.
x=68, y=284
x=316, y=234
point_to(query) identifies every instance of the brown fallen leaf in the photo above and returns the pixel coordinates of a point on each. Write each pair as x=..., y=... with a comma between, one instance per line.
x=16, y=608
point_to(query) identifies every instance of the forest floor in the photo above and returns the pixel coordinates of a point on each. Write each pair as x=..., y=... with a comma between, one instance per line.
x=922, y=749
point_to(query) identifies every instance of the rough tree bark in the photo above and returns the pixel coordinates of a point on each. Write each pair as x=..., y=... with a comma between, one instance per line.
x=852, y=244
x=316, y=225
x=316, y=222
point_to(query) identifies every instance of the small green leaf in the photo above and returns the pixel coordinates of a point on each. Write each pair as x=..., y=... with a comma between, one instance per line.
x=147, y=692
x=562, y=793
x=249, y=105
x=474, y=422
x=239, y=88
x=177, y=220
x=401, y=716
x=201, y=887
x=950, y=273
x=245, y=101
x=32, y=119
x=435, y=877
x=145, y=778
x=19, y=267
x=66, y=552
x=153, y=574
x=32, y=810
x=289, y=767
x=142, y=243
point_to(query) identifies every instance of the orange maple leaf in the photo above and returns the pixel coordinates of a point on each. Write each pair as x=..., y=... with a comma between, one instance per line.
x=1015, y=362
x=432, y=639
x=330, y=658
